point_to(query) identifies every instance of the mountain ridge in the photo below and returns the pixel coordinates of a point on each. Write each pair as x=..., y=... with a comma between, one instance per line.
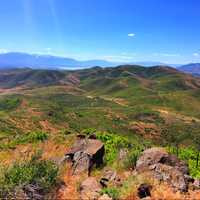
x=42, y=61
x=192, y=68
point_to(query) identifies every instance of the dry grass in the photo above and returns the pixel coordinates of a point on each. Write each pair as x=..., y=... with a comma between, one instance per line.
x=160, y=191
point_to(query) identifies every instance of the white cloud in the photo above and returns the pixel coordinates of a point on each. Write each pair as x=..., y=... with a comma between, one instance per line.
x=131, y=35
x=118, y=58
x=4, y=51
x=166, y=54
x=48, y=50
x=196, y=54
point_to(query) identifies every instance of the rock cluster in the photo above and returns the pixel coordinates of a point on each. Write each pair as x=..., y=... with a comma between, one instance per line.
x=164, y=167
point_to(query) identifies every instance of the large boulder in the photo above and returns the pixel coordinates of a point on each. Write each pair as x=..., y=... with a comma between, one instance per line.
x=86, y=153
x=90, y=189
x=164, y=167
x=157, y=155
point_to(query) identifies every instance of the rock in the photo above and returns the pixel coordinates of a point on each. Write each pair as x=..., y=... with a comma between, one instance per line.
x=159, y=155
x=33, y=192
x=93, y=136
x=86, y=153
x=150, y=157
x=164, y=167
x=188, y=178
x=90, y=189
x=110, y=177
x=180, y=165
x=144, y=190
x=196, y=184
x=171, y=175
x=104, y=197
x=81, y=162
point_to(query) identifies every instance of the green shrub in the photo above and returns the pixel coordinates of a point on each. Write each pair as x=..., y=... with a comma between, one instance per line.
x=111, y=192
x=130, y=161
x=36, y=171
x=32, y=137
x=188, y=155
x=9, y=103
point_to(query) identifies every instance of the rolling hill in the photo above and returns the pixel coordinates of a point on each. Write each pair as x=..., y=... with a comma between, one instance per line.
x=128, y=107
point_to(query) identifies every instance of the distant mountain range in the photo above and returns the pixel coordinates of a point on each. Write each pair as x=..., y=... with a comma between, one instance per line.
x=37, y=61
x=192, y=68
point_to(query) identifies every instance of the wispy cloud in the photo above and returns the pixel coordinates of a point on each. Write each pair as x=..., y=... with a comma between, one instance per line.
x=118, y=58
x=131, y=35
x=196, y=54
x=4, y=51
x=48, y=50
x=166, y=54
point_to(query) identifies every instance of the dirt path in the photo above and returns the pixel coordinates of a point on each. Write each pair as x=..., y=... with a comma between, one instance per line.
x=179, y=116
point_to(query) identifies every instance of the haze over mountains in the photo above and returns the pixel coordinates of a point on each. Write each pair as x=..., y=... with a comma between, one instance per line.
x=192, y=68
x=38, y=61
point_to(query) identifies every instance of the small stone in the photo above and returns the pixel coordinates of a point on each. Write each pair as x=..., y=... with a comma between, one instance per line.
x=196, y=184
x=105, y=197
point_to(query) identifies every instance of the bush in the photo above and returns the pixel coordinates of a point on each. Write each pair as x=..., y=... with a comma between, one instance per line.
x=111, y=192
x=188, y=155
x=32, y=137
x=9, y=103
x=130, y=161
x=36, y=171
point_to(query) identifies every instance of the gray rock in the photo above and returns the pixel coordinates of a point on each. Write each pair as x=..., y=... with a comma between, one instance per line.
x=110, y=177
x=159, y=155
x=86, y=153
x=164, y=167
x=171, y=175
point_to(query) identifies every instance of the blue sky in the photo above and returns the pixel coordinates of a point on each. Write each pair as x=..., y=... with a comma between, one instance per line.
x=115, y=30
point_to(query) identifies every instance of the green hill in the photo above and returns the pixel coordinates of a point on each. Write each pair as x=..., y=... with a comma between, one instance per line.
x=43, y=110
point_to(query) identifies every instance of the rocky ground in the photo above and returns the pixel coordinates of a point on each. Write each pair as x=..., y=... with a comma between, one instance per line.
x=157, y=175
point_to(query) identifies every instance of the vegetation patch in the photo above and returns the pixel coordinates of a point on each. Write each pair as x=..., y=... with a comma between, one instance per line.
x=35, y=171
x=31, y=137
x=9, y=103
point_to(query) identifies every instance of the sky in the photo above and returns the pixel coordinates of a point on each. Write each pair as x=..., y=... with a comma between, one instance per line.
x=116, y=30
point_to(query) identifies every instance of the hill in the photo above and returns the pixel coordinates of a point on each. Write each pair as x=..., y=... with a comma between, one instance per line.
x=129, y=108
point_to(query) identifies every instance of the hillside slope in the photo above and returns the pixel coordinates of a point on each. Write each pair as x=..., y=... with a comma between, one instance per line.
x=129, y=108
